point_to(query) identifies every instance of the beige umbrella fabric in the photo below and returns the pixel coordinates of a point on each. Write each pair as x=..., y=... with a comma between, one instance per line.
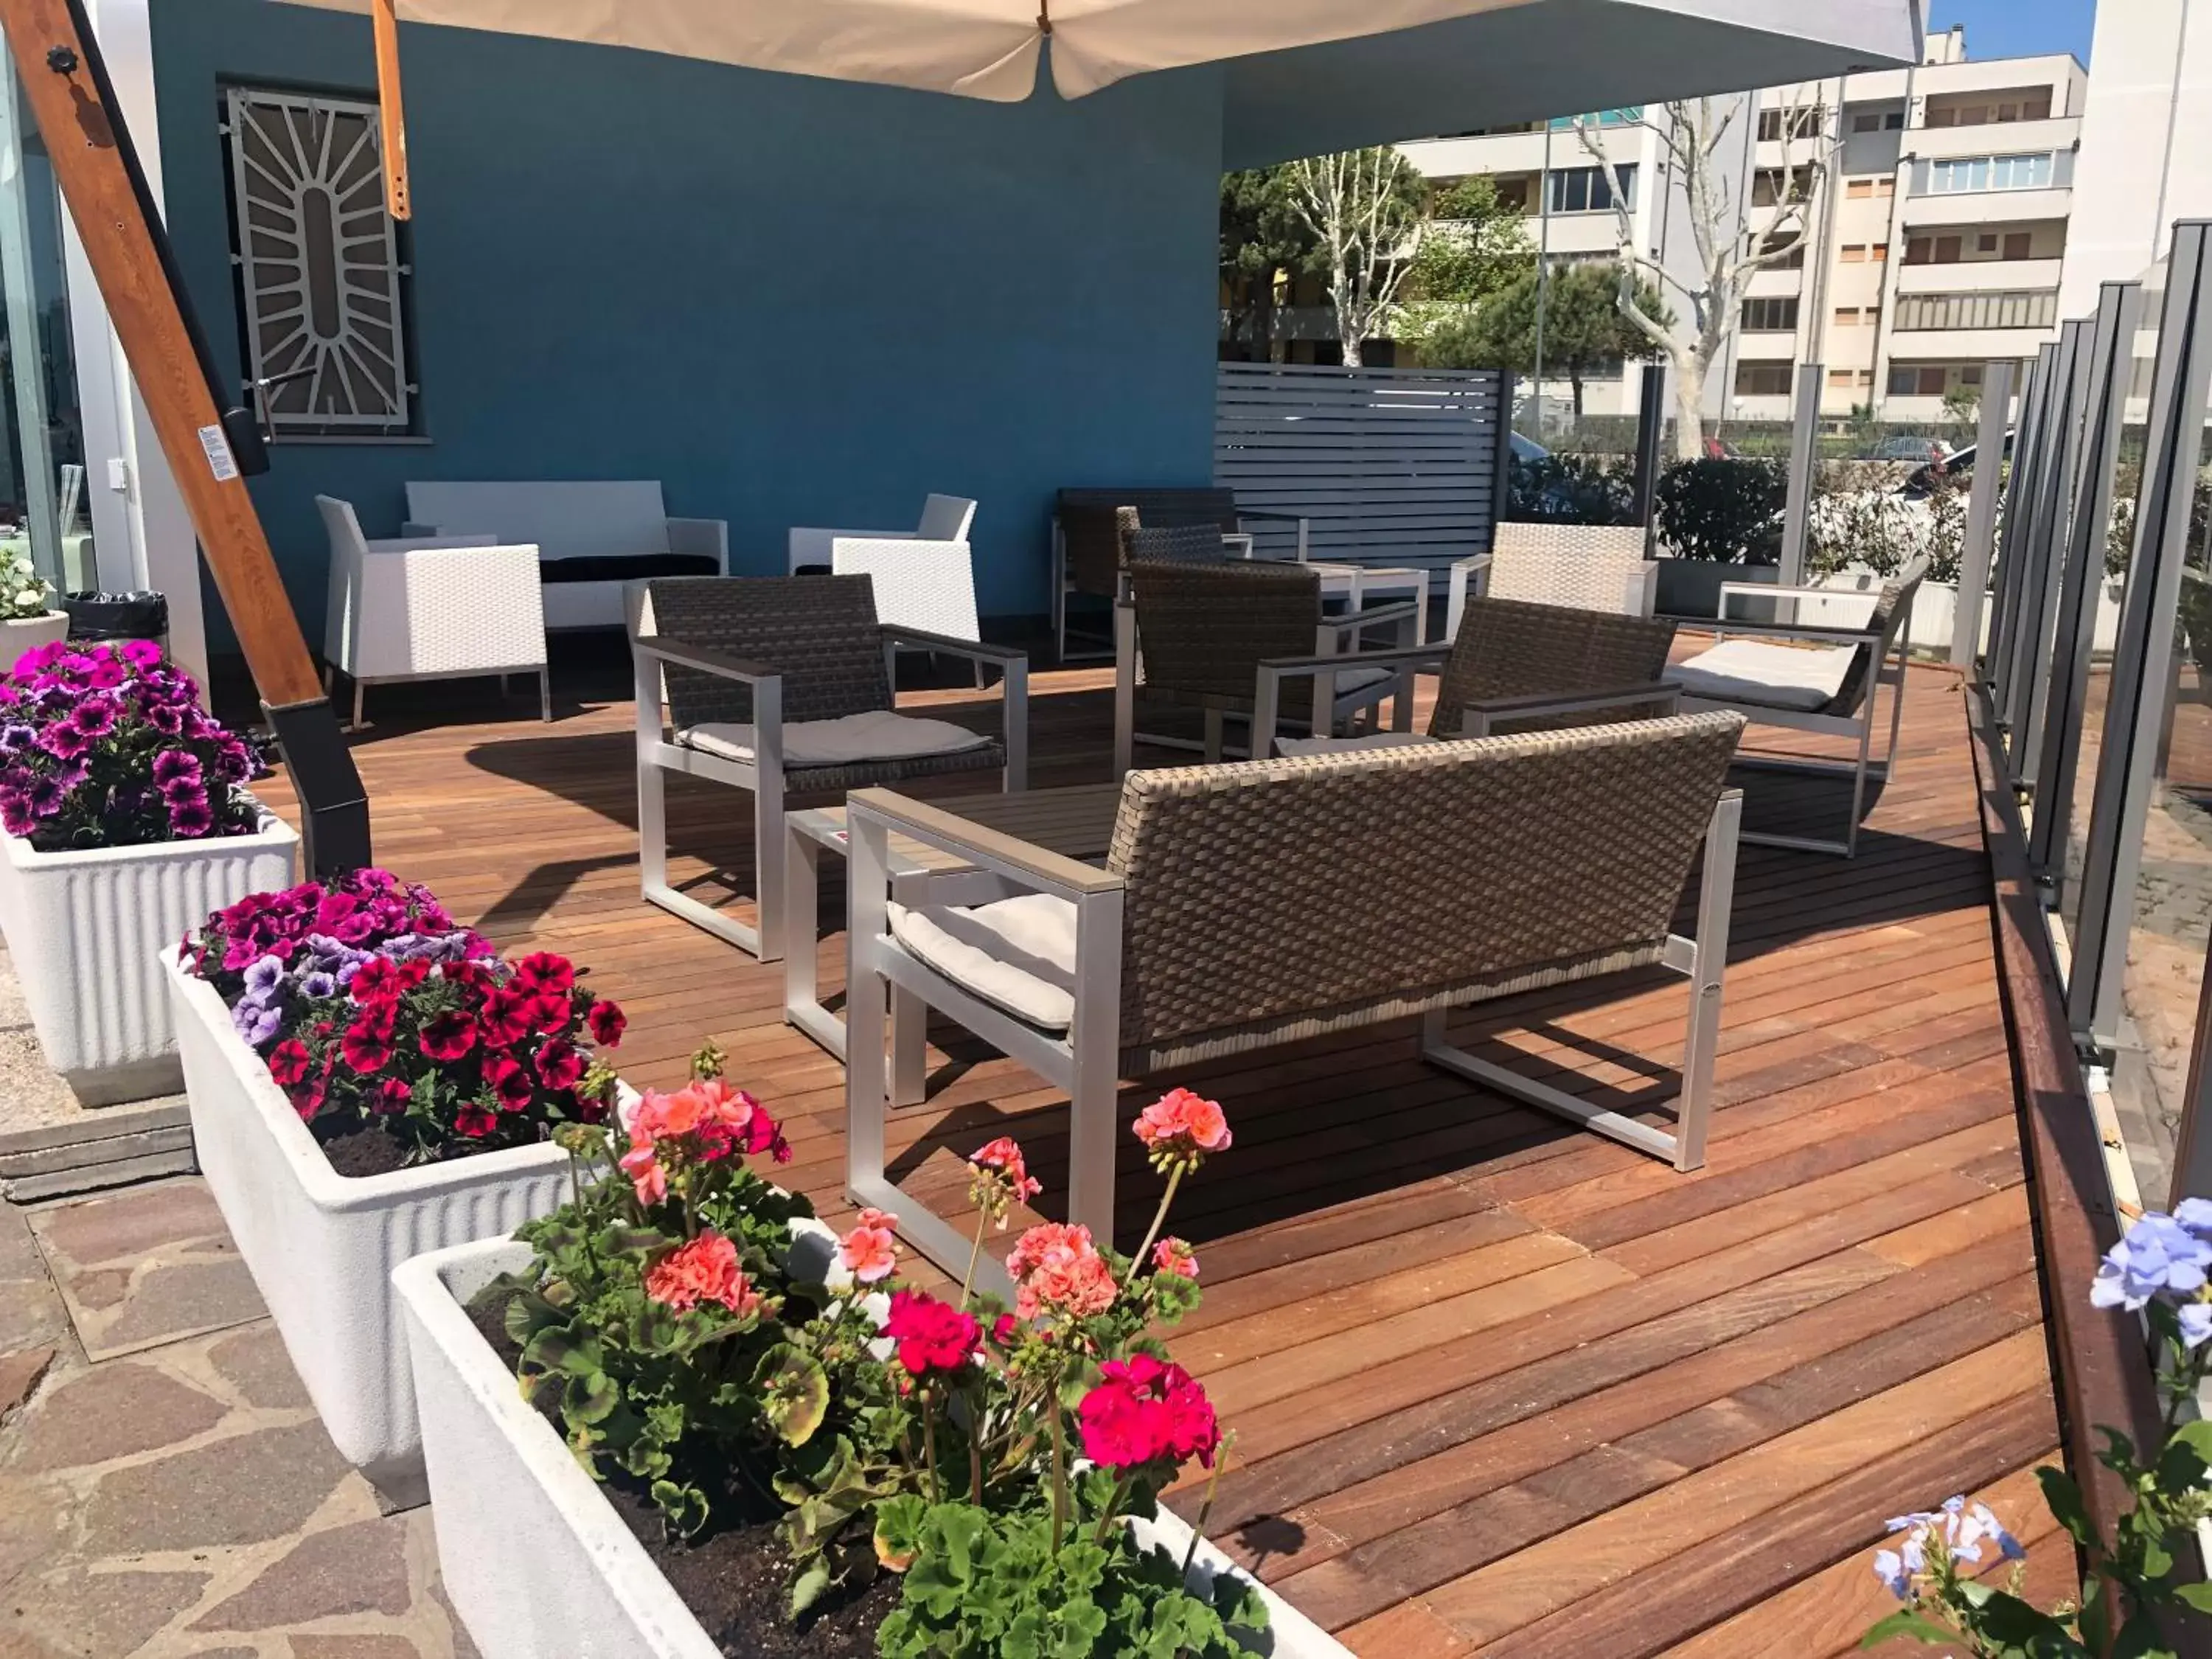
x=990, y=49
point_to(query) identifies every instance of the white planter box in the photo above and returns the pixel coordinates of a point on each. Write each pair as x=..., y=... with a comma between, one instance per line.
x=321, y=1246
x=87, y=931
x=534, y=1557
x=21, y=634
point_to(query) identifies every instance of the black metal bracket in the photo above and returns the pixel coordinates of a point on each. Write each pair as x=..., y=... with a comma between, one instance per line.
x=333, y=804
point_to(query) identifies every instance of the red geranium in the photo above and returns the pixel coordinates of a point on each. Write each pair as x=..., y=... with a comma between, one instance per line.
x=932, y=1335
x=607, y=1024
x=288, y=1061
x=1146, y=1411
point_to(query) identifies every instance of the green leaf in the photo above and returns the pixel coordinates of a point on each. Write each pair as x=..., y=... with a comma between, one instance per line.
x=2141, y=1638
x=808, y=1586
x=795, y=1392
x=2198, y=1596
x=1907, y=1622
x=2064, y=1498
x=898, y=1531
x=590, y=1399
x=683, y=1506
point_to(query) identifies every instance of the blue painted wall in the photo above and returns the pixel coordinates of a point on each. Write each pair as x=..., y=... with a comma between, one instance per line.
x=795, y=301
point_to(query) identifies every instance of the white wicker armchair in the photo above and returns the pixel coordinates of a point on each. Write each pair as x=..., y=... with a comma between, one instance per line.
x=924, y=578
x=1585, y=567
x=429, y=608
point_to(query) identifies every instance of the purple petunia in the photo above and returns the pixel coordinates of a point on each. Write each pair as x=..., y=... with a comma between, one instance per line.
x=255, y=1024
x=319, y=984
x=176, y=765
x=95, y=716
x=191, y=819
x=15, y=737
x=264, y=978
x=64, y=740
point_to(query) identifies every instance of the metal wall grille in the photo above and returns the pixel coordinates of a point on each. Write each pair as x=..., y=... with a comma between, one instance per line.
x=319, y=263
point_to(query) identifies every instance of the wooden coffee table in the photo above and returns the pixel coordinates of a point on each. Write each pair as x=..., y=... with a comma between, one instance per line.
x=1077, y=822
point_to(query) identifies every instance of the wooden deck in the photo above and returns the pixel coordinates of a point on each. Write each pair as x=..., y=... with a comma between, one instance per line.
x=1498, y=1386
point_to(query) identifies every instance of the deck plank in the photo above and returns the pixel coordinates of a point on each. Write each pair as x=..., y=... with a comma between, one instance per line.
x=1500, y=1386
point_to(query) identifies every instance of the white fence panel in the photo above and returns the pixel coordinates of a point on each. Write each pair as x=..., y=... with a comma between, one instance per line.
x=1399, y=466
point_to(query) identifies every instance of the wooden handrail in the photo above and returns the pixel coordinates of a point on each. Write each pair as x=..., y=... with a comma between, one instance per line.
x=2102, y=1357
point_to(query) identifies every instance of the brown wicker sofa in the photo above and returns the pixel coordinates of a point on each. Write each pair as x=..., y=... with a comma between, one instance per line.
x=1485, y=867
x=780, y=685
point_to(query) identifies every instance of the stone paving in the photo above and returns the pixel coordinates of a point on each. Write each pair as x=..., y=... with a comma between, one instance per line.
x=166, y=1489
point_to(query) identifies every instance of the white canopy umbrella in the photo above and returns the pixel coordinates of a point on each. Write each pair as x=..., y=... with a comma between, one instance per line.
x=991, y=48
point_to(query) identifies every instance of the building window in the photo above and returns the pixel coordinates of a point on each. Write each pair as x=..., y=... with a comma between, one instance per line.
x=1765, y=380
x=1852, y=253
x=1918, y=379
x=322, y=287
x=1867, y=121
x=1780, y=186
x=1878, y=252
x=1589, y=190
x=1605, y=118
x=1847, y=316
x=2002, y=309
x=2003, y=106
x=1790, y=245
x=1771, y=314
x=1885, y=186
x=1968, y=173
x=2016, y=245
x=1858, y=189
x=1779, y=126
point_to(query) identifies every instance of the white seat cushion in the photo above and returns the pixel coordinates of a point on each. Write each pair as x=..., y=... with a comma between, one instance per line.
x=1018, y=954
x=848, y=740
x=1346, y=745
x=1770, y=673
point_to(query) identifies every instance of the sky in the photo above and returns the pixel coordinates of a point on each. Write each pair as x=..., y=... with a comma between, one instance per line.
x=2019, y=29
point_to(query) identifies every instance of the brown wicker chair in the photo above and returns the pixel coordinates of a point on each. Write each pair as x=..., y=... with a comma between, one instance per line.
x=1485, y=868
x=1092, y=532
x=1513, y=665
x=1822, y=679
x=1200, y=630
x=782, y=685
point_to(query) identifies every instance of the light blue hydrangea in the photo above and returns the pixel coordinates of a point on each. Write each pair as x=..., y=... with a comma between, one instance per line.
x=2160, y=1257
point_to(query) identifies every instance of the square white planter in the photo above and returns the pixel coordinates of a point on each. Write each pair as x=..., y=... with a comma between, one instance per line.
x=534, y=1557
x=87, y=931
x=21, y=634
x=321, y=1246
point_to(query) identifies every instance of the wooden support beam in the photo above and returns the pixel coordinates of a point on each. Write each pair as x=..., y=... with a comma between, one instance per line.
x=57, y=60
x=391, y=114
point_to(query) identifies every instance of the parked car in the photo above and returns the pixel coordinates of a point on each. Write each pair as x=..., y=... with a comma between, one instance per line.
x=1956, y=464
x=1906, y=447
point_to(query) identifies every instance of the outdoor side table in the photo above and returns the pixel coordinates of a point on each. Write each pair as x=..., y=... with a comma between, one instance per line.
x=1077, y=822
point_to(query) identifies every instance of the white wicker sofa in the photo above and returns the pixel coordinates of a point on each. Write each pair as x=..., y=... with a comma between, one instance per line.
x=591, y=537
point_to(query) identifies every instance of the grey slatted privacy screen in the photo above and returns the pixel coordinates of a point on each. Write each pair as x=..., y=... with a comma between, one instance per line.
x=1394, y=466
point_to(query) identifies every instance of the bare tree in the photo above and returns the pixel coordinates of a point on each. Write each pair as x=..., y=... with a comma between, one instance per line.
x=1365, y=206
x=1729, y=251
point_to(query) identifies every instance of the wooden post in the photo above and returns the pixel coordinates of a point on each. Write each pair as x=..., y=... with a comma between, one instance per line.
x=65, y=85
x=390, y=113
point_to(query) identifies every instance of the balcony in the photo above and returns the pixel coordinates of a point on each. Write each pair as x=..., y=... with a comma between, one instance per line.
x=1967, y=345
x=1975, y=276
x=1767, y=345
x=1988, y=207
x=2057, y=134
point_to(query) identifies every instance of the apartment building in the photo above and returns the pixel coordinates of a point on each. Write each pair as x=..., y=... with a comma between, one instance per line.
x=1933, y=247
x=2146, y=143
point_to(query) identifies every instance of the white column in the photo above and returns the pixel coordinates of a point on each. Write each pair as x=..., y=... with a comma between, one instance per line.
x=143, y=534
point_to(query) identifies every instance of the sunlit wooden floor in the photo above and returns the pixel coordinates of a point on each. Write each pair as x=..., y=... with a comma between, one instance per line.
x=1499, y=1388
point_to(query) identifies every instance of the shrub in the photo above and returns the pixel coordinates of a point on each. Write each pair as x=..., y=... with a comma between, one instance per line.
x=23, y=592
x=107, y=746
x=1725, y=510
x=1879, y=531
x=371, y=1010
x=1591, y=489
